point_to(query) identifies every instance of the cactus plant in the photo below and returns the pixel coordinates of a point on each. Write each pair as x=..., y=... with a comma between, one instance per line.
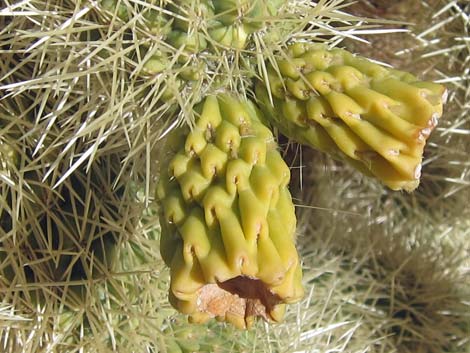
x=228, y=221
x=376, y=118
x=84, y=80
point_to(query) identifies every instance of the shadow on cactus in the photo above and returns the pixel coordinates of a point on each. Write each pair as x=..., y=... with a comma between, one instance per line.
x=66, y=243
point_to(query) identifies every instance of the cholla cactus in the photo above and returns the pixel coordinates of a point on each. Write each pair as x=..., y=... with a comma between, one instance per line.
x=88, y=89
x=228, y=221
x=219, y=23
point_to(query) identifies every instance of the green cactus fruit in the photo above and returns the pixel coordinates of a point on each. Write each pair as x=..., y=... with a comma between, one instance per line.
x=191, y=27
x=376, y=118
x=183, y=340
x=118, y=7
x=228, y=221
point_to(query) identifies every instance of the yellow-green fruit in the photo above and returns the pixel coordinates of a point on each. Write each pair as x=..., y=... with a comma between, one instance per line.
x=228, y=221
x=376, y=118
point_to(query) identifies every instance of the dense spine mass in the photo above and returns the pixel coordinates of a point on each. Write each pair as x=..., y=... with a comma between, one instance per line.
x=63, y=243
x=228, y=23
x=192, y=27
x=228, y=221
x=376, y=118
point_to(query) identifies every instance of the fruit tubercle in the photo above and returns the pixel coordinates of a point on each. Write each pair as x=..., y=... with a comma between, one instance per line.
x=376, y=118
x=228, y=220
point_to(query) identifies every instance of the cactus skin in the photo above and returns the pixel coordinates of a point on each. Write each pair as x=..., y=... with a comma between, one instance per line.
x=375, y=118
x=228, y=221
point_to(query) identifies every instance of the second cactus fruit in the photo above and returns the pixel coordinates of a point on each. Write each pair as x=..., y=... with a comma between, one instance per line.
x=376, y=118
x=228, y=221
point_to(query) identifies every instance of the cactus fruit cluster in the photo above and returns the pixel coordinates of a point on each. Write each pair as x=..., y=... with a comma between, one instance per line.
x=193, y=48
x=198, y=25
x=103, y=83
x=228, y=221
x=377, y=119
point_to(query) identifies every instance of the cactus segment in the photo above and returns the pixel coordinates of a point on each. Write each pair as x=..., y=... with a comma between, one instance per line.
x=185, y=42
x=228, y=23
x=195, y=24
x=228, y=221
x=377, y=119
